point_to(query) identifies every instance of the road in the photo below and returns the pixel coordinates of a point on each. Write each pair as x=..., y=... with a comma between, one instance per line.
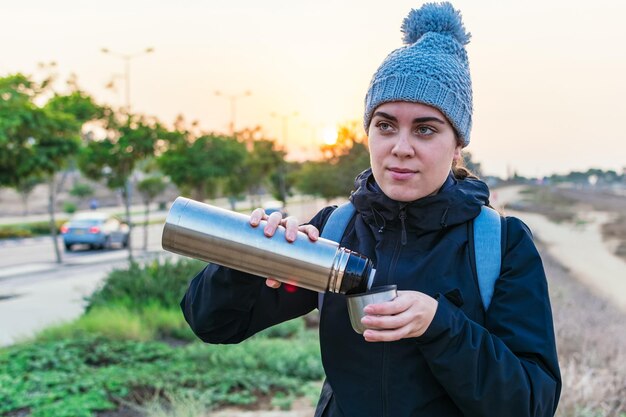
x=21, y=256
x=35, y=292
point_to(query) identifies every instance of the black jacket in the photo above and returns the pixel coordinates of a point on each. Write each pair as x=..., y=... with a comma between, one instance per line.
x=469, y=362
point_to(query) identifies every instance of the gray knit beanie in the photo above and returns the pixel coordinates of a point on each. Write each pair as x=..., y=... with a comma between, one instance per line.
x=432, y=68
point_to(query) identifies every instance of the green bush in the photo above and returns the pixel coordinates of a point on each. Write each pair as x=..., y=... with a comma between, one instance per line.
x=81, y=190
x=11, y=232
x=69, y=207
x=285, y=330
x=112, y=322
x=83, y=375
x=162, y=284
x=116, y=322
x=22, y=230
x=108, y=356
x=43, y=228
x=140, y=302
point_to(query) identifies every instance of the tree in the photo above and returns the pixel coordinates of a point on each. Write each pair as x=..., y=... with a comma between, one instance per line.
x=38, y=142
x=81, y=191
x=17, y=128
x=114, y=158
x=283, y=179
x=150, y=188
x=60, y=141
x=25, y=187
x=202, y=165
x=263, y=166
x=334, y=175
x=319, y=178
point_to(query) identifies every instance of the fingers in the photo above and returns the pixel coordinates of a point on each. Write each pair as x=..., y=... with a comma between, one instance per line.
x=387, y=322
x=384, y=335
x=399, y=304
x=273, y=221
x=291, y=228
x=256, y=217
x=311, y=231
x=272, y=283
x=409, y=315
x=291, y=225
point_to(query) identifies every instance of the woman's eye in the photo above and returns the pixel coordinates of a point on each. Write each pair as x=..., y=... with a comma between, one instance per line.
x=384, y=126
x=425, y=130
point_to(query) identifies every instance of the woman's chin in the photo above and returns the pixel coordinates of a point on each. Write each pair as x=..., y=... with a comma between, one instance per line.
x=403, y=193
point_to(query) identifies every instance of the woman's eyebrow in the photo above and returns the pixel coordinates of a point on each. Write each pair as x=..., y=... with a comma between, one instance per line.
x=428, y=119
x=385, y=115
x=416, y=120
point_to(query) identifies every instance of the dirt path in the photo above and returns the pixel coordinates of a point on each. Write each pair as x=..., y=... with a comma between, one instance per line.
x=577, y=245
x=581, y=249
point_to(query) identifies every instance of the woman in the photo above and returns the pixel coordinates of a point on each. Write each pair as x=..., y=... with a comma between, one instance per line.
x=435, y=350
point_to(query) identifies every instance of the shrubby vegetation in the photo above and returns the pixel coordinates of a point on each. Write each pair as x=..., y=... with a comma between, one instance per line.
x=132, y=346
x=26, y=229
x=80, y=375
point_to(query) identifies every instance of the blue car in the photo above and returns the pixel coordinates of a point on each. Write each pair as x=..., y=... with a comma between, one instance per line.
x=96, y=230
x=273, y=206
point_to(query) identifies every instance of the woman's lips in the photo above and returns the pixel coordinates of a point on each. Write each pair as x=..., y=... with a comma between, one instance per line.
x=401, y=174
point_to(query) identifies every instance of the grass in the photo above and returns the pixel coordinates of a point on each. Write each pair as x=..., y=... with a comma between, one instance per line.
x=132, y=352
x=139, y=286
x=547, y=201
x=81, y=375
x=121, y=323
x=23, y=230
x=591, y=340
x=591, y=333
x=175, y=406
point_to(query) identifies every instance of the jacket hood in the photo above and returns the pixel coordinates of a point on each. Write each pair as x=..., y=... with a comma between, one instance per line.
x=458, y=201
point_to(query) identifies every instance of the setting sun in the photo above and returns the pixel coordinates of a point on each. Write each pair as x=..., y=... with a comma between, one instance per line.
x=329, y=134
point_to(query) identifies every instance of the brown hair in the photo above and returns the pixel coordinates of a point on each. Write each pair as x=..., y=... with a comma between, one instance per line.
x=459, y=170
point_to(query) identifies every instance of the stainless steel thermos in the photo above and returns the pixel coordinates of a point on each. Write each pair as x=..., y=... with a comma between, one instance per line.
x=220, y=236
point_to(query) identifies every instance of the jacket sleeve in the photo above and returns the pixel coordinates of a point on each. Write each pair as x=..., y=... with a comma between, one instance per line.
x=509, y=367
x=223, y=305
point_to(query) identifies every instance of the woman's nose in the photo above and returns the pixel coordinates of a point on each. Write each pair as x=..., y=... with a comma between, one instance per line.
x=402, y=148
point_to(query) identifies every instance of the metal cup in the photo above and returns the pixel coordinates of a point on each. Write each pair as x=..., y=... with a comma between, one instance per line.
x=356, y=303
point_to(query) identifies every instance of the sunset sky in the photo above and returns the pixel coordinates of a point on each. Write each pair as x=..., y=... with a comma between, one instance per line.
x=549, y=83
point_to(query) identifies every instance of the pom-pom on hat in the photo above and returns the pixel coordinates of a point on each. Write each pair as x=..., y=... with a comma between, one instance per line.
x=432, y=68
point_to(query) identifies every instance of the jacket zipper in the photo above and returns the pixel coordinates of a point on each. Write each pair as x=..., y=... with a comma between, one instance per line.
x=392, y=267
x=384, y=377
x=402, y=216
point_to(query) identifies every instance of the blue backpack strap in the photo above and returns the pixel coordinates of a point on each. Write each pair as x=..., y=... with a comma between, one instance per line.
x=487, y=251
x=333, y=230
x=487, y=245
x=338, y=221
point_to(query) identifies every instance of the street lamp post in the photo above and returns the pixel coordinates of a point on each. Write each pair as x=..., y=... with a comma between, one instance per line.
x=233, y=104
x=127, y=58
x=127, y=186
x=282, y=187
x=285, y=121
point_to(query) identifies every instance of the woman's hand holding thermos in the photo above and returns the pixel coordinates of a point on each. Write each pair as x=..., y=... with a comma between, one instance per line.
x=409, y=315
x=291, y=226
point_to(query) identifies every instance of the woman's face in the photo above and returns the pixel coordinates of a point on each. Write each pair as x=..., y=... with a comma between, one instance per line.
x=412, y=146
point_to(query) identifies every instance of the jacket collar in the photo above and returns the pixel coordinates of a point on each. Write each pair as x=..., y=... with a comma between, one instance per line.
x=457, y=201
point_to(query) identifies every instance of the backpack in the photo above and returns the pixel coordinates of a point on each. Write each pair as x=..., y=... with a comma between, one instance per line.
x=486, y=242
